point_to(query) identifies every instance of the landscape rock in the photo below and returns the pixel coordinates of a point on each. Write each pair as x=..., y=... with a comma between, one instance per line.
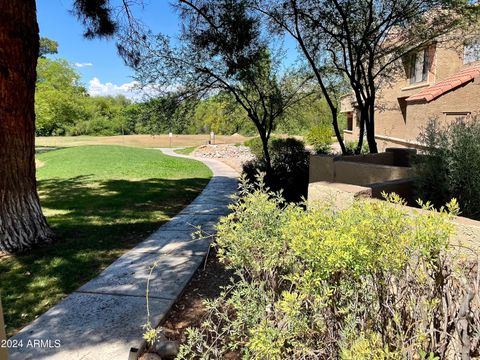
x=166, y=349
x=223, y=151
x=151, y=356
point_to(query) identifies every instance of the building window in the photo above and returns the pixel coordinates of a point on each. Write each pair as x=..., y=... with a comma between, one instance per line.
x=350, y=121
x=419, y=67
x=471, y=51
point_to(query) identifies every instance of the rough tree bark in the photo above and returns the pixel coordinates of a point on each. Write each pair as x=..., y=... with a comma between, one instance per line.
x=22, y=224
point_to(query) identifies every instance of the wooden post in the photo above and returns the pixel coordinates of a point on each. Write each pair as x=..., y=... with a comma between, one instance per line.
x=3, y=336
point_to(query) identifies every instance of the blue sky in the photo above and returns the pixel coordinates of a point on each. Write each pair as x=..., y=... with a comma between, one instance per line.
x=103, y=71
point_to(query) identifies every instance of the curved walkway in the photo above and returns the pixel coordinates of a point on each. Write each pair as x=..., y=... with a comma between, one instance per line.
x=103, y=319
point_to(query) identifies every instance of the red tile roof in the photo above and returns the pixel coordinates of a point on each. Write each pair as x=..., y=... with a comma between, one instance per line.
x=442, y=87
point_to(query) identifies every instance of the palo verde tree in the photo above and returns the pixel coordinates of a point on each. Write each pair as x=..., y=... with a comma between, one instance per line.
x=366, y=40
x=22, y=224
x=222, y=48
x=285, y=18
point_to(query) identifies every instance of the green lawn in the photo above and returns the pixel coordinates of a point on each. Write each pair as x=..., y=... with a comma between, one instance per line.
x=101, y=201
x=186, y=151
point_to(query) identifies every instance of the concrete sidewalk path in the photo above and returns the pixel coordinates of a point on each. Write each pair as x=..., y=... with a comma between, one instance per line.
x=103, y=319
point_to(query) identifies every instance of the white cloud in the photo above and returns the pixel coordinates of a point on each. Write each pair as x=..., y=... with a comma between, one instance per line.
x=97, y=88
x=80, y=65
x=130, y=90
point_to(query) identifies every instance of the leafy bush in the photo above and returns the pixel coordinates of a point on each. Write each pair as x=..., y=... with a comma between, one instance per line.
x=368, y=282
x=289, y=160
x=320, y=137
x=450, y=167
x=351, y=146
x=255, y=146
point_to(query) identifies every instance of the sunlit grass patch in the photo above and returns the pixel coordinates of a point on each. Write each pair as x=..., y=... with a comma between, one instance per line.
x=100, y=201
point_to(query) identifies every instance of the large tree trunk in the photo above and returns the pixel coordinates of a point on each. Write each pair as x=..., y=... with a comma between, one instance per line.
x=22, y=223
x=358, y=149
x=370, y=127
x=266, y=154
x=336, y=129
x=367, y=124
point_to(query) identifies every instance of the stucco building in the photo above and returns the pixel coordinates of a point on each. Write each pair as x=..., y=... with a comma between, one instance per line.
x=441, y=81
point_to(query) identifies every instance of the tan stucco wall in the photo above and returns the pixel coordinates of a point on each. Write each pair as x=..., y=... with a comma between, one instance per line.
x=463, y=99
x=346, y=103
x=392, y=127
x=350, y=135
x=365, y=174
x=385, y=158
x=337, y=169
x=321, y=168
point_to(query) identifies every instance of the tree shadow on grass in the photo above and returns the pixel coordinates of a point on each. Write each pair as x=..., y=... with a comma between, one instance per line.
x=95, y=221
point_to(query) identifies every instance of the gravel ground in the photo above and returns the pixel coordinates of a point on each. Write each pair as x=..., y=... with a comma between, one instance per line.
x=232, y=155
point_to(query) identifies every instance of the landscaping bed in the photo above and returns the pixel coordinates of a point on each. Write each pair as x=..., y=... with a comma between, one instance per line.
x=232, y=155
x=189, y=310
x=322, y=283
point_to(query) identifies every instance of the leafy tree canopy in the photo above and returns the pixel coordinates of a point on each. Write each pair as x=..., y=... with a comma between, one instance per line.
x=47, y=47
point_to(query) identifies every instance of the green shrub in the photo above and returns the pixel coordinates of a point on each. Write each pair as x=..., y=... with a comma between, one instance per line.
x=450, y=167
x=320, y=138
x=368, y=282
x=289, y=160
x=255, y=146
x=351, y=146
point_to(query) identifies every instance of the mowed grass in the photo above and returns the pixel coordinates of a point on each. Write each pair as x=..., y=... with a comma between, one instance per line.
x=143, y=141
x=186, y=150
x=100, y=201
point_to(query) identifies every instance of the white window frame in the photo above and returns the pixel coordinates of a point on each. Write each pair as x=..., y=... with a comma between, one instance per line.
x=419, y=67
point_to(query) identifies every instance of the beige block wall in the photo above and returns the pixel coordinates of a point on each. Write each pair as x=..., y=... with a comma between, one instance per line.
x=395, y=129
x=350, y=135
x=346, y=103
x=389, y=120
x=449, y=60
x=463, y=99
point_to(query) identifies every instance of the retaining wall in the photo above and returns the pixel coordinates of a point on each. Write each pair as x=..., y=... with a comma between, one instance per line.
x=388, y=171
x=467, y=231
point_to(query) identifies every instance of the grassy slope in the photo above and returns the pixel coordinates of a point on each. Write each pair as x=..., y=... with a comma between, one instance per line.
x=137, y=140
x=186, y=151
x=101, y=201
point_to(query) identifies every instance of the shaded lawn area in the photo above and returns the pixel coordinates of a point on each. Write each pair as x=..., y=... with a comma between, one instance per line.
x=100, y=201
